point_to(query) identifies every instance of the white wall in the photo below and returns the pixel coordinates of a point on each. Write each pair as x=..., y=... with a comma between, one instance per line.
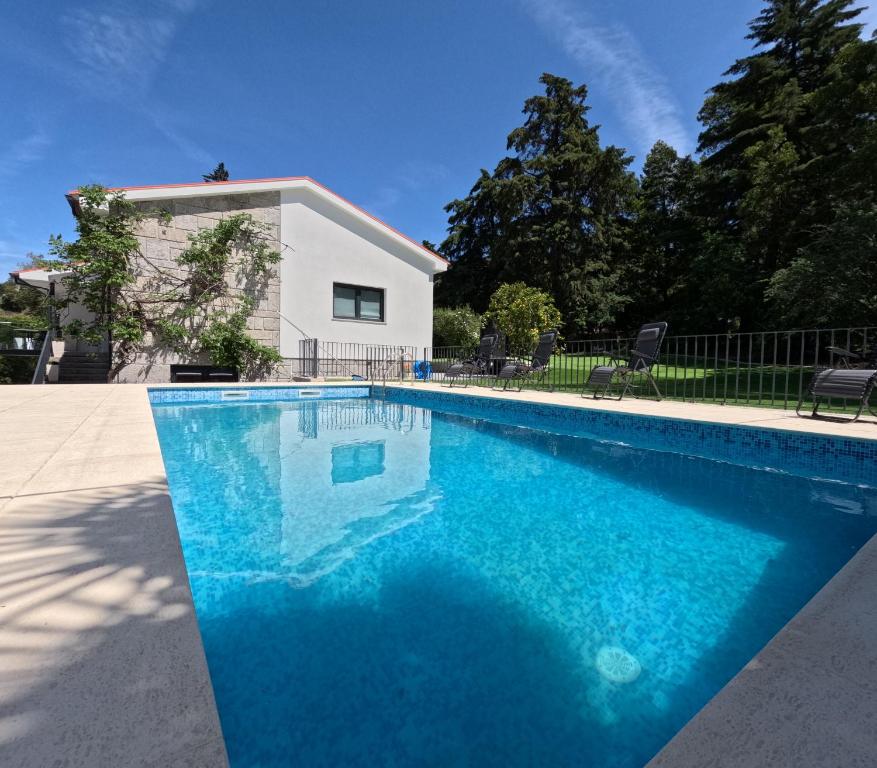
x=70, y=313
x=327, y=246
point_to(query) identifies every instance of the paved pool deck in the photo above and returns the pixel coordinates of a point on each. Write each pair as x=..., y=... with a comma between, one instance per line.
x=101, y=661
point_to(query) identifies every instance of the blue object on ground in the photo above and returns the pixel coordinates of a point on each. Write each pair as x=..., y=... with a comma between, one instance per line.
x=422, y=370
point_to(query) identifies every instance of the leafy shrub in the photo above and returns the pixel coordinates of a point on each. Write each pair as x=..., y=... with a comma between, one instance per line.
x=522, y=313
x=458, y=327
x=228, y=345
x=16, y=370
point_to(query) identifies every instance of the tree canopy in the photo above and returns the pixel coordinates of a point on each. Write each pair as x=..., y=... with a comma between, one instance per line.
x=771, y=224
x=553, y=214
x=220, y=173
x=776, y=149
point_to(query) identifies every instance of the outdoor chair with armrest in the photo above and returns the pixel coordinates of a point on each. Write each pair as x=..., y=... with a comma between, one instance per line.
x=845, y=384
x=639, y=361
x=537, y=368
x=477, y=365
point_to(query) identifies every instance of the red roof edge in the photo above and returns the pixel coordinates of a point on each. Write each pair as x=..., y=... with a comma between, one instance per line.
x=73, y=195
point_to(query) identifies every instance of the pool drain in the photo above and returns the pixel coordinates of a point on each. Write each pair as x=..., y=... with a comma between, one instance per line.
x=617, y=665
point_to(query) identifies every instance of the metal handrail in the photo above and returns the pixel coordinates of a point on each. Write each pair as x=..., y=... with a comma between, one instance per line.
x=39, y=374
x=319, y=346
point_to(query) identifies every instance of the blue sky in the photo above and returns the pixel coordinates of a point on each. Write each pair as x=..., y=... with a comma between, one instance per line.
x=393, y=104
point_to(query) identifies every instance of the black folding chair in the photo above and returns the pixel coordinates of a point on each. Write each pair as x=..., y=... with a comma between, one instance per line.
x=537, y=368
x=477, y=365
x=639, y=361
x=843, y=384
x=867, y=358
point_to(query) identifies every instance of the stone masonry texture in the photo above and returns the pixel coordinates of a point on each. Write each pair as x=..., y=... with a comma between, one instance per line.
x=161, y=243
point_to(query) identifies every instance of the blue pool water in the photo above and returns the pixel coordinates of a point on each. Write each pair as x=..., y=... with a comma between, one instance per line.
x=383, y=584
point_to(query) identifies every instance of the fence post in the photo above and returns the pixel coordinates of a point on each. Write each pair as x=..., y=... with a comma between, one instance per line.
x=315, y=363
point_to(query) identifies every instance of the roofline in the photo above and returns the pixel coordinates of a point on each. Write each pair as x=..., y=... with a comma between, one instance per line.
x=17, y=272
x=73, y=199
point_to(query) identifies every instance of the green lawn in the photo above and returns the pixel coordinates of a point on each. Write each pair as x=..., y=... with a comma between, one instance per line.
x=699, y=380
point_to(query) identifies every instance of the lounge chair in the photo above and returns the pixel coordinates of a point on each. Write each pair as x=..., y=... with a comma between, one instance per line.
x=639, y=361
x=867, y=358
x=844, y=384
x=537, y=367
x=477, y=365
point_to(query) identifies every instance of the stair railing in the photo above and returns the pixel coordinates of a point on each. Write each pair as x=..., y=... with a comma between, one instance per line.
x=39, y=374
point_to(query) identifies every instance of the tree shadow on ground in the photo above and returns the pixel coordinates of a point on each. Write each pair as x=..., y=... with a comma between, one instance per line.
x=100, y=657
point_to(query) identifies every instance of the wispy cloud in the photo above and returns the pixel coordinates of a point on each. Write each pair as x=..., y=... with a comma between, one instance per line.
x=18, y=155
x=384, y=199
x=611, y=54
x=417, y=175
x=165, y=124
x=119, y=48
x=183, y=6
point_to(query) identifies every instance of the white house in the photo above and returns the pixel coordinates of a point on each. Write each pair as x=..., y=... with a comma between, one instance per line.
x=345, y=275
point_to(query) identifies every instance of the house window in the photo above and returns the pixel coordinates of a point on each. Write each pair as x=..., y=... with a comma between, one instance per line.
x=354, y=302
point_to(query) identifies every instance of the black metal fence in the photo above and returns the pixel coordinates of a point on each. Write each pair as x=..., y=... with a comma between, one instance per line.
x=763, y=369
x=343, y=360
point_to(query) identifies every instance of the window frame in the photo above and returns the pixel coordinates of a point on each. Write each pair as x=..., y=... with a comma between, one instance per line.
x=357, y=299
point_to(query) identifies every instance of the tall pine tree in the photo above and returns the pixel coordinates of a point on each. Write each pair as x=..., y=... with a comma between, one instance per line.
x=220, y=173
x=669, y=242
x=770, y=159
x=555, y=214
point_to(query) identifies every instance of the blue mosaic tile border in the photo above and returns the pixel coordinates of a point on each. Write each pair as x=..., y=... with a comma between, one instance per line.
x=252, y=394
x=851, y=460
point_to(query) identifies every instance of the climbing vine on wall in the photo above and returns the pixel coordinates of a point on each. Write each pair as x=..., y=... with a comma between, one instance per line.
x=200, y=306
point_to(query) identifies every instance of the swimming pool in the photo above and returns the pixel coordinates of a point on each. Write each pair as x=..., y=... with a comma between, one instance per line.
x=424, y=581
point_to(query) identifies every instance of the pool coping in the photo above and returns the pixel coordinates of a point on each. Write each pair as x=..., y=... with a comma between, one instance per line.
x=87, y=459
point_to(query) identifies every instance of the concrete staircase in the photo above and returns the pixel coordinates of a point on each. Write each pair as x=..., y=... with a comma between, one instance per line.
x=83, y=368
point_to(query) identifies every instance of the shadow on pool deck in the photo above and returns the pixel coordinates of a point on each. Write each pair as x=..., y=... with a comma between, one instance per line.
x=100, y=657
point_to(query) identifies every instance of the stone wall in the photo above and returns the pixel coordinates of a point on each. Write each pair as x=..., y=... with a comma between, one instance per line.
x=161, y=243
